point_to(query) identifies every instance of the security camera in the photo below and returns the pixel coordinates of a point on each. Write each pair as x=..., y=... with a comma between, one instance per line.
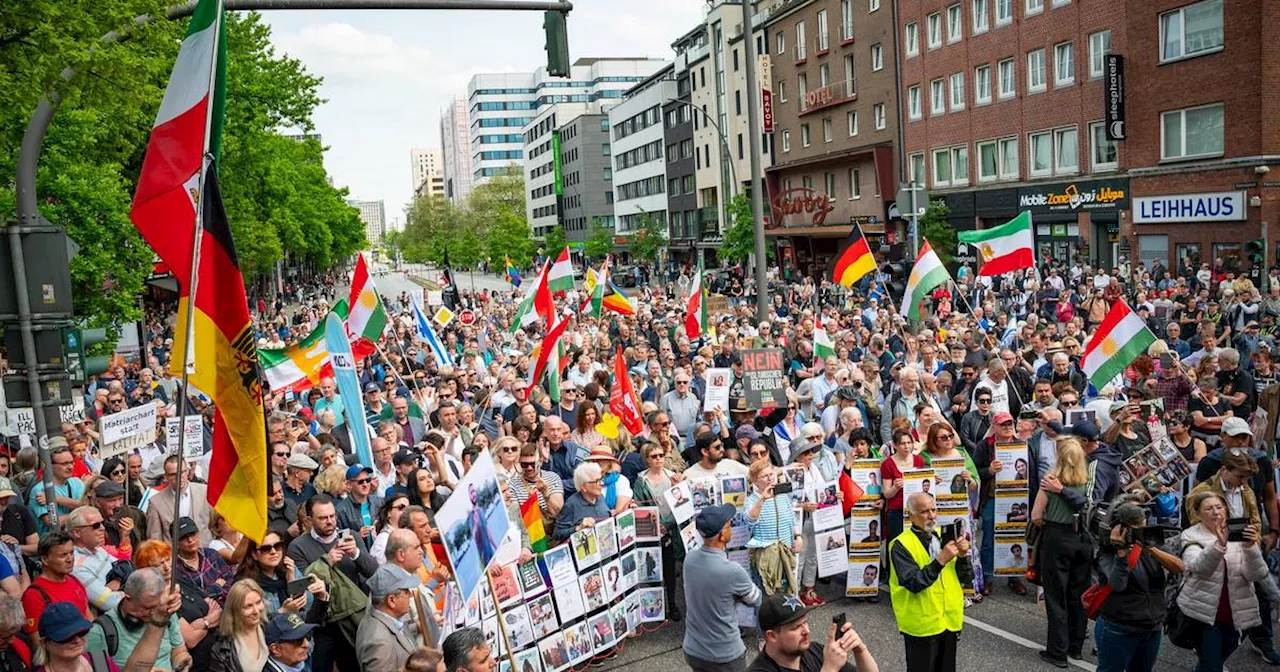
x=1262, y=170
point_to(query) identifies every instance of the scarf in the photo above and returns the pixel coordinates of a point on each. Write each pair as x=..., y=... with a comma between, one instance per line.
x=611, y=489
x=277, y=585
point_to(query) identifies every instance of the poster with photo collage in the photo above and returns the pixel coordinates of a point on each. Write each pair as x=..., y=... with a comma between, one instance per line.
x=1012, y=510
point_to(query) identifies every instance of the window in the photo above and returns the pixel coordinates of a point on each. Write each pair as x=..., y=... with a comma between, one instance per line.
x=1034, y=7
x=988, y=161
x=1040, y=154
x=824, y=75
x=855, y=184
x=1191, y=133
x=782, y=91
x=1060, y=3
x=804, y=135
x=1103, y=153
x=801, y=46
x=850, y=76
x=821, y=37
x=959, y=165
x=937, y=98
x=827, y=135
x=978, y=14
x=737, y=102
x=941, y=167
x=1035, y=70
x=851, y=119
x=781, y=41
x=951, y=166
x=1009, y=159
x=873, y=5
x=806, y=182
x=802, y=83
x=1004, y=12
x=786, y=141
x=846, y=20
x=673, y=186
x=957, y=91
x=982, y=85
x=1066, y=156
x=914, y=107
x=1008, y=79
x=935, y=30
x=955, y=27
x=913, y=39
x=830, y=182
x=1099, y=47
x=735, y=60
x=915, y=167
x=1191, y=31
x=1064, y=66
x=877, y=111
x=877, y=57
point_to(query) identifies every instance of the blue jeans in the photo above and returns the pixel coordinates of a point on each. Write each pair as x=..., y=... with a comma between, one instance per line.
x=989, y=541
x=1216, y=645
x=1120, y=650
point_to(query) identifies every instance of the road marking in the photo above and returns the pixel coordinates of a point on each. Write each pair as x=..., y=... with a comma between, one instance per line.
x=1023, y=641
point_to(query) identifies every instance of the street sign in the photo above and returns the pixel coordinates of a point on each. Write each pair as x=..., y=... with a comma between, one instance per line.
x=904, y=198
x=467, y=317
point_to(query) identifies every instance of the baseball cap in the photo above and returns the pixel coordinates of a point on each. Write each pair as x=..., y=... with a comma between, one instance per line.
x=302, y=461
x=356, y=469
x=746, y=432
x=1085, y=429
x=371, y=387
x=1001, y=417
x=712, y=519
x=780, y=609
x=287, y=628
x=403, y=457
x=1236, y=427
x=105, y=490
x=61, y=621
x=6, y=487
x=186, y=528
x=391, y=579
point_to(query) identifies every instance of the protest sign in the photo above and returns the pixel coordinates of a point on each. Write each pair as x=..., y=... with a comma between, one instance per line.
x=127, y=429
x=762, y=378
x=1157, y=467
x=1011, y=554
x=717, y=393
x=1013, y=464
x=864, y=531
x=949, y=477
x=472, y=522
x=187, y=433
x=733, y=490
x=866, y=473
x=833, y=551
x=1012, y=511
x=680, y=501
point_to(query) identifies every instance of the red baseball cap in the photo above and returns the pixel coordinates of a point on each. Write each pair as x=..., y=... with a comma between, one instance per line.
x=1001, y=418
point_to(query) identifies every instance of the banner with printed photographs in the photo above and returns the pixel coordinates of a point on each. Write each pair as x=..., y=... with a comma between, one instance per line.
x=1012, y=510
x=863, y=531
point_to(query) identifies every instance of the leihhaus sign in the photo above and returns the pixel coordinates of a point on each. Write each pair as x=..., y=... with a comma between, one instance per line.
x=799, y=201
x=1075, y=196
x=1226, y=206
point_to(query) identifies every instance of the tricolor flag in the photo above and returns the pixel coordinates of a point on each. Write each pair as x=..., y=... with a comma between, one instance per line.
x=594, y=286
x=302, y=365
x=536, y=303
x=546, y=352
x=438, y=351
x=1005, y=248
x=513, y=276
x=1119, y=340
x=926, y=275
x=854, y=260
x=560, y=278
x=368, y=317
x=622, y=396
x=695, y=314
x=531, y=516
x=180, y=174
x=822, y=345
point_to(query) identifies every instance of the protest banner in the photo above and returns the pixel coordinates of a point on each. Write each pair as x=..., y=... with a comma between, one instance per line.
x=1012, y=511
x=126, y=430
x=949, y=477
x=1158, y=467
x=866, y=473
x=717, y=393
x=1011, y=554
x=762, y=378
x=1013, y=464
x=472, y=522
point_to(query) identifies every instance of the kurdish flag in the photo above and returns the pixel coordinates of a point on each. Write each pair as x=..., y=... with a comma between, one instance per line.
x=1005, y=248
x=179, y=179
x=1119, y=340
x=560, y=277
x=594, y=286
x=695, y=314
x=513, y=276
x=854, y=261
x=927, y=274
x=368, y=318
x=531, y=515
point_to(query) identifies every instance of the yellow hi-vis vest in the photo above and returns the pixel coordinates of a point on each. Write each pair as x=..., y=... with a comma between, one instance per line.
x=935, y=609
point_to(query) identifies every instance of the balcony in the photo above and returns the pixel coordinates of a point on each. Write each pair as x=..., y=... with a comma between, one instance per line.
x=836, y=93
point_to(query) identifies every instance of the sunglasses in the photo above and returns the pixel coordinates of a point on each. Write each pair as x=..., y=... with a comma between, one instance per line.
x=72, y=638
x=511, y=449
x=528, y=465
x=285, y=455
x=945, y=437
x=361, y=481
x=96, y=526
x=654, y=456
x=277, y=547
x=117, y=472
x=984, y=401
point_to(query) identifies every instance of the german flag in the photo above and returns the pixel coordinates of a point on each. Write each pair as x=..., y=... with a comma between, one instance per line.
x=854, y=260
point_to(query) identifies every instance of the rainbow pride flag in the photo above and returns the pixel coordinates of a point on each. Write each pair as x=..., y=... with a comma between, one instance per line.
x=513, y=276
x=531, y=515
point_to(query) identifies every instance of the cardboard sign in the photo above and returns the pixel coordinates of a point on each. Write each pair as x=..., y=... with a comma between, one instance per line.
x=762, y=378
x=127, y=429
x=192, y=433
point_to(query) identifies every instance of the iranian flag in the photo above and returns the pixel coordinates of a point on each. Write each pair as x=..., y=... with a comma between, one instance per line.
x=560, y=278
x=1119, y=340
x=927, y=274
x=1005, y=248
x=302, y=365
x=695, y=314
x=822, y=345
x=368, y=318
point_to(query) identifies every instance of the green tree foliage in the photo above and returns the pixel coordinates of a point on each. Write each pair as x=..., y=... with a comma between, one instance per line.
x=935, y=226
x=599, y=241
x=492, y=225
x=432, y=224
x=554, y=241
x=648, y=240
x=740, y=236
x=277, y=194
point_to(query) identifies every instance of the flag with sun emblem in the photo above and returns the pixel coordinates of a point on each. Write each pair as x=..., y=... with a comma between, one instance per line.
x=1004, y=248
x=368, y=318
x=1119, y=340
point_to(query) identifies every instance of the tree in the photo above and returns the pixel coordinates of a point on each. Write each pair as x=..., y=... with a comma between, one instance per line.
x=509, y=238
x=648, y=240
x=432, y=224
x=935, y=226
x=740, y=235
x=554, y=241
x=599, y=242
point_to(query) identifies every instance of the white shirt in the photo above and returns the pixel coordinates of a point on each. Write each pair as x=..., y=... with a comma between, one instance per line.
x=723, y=468
x=384, y=480
x=1235, y=502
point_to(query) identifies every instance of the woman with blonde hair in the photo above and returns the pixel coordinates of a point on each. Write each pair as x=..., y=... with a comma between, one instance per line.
x=241, y=644
x=332, y=481
x=1064, y=553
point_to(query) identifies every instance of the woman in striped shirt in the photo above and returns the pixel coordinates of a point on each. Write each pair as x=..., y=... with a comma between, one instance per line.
x=771, y=519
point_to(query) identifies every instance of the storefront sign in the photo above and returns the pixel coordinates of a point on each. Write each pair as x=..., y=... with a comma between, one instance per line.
x=801, y=200
x=1113, y=104
x=1075, y=196
x=1225, y=206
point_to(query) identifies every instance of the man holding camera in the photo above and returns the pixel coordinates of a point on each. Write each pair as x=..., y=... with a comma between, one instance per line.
x=788, y=646
x=926, y=583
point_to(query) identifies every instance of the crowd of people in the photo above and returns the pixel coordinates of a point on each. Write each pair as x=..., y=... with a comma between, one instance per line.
x=353, y=555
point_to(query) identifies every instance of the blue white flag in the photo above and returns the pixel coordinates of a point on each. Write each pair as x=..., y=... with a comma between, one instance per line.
x=438, y=351
x=344, y=373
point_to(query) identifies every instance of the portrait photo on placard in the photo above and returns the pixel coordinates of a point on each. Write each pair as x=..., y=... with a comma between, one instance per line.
x=653, y=606
x=602, y=637
x=703, y=491
x=606, y=538
x=586, y=548
x=625, y=524
x=649, y=563
x=560, y=567
x=680, y=501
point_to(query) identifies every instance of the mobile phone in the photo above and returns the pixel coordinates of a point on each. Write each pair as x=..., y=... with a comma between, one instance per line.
x=782, y=488
x=346, y=535
x=1166, y=361
x=839, y=621
x=1028, y=414
x=1235, y=528
x=298, y=587
x=951, y=532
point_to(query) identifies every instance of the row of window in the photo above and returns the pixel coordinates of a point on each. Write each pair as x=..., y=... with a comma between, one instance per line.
x=681, y=185
x=545, y=190
x=683, y=150
x=502, y=155
x=480, y=173
x=1052, y=152
x=501, y=122
x=545, y=211
x=650, y=151
x=678, y=115
x=638, y=122
x=879, y=120
x=498, y=139
x=821, y=43
x=650, y=186
x=853, y=184
x=569, y=156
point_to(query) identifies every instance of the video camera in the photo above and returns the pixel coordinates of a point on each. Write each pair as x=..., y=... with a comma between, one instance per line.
x=1157, y=532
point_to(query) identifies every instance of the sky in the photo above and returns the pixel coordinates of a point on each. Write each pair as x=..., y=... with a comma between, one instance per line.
x=388, y=74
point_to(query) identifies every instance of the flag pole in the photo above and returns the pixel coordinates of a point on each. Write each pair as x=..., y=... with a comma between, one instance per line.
x=197, y=235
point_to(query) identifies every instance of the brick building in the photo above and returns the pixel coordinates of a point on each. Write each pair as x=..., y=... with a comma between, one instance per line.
x=835, y=126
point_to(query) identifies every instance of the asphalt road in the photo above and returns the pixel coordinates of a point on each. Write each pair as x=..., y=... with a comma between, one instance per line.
x=1001, y=634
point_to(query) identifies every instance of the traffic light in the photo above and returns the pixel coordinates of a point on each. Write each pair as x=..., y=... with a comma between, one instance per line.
x=78, y=341
x=555, y=23
x=1256, y=250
